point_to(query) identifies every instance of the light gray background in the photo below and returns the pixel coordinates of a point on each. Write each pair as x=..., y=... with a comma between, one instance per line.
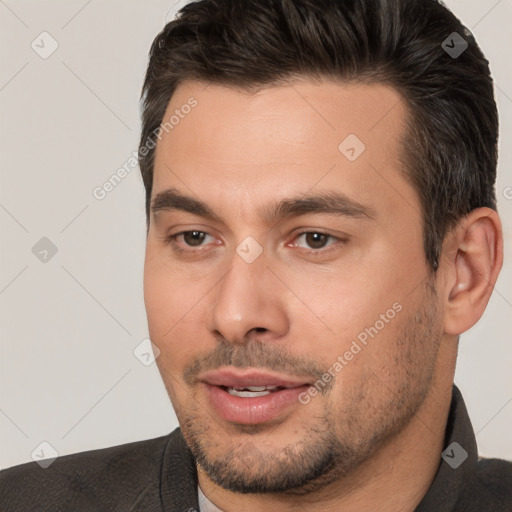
x=69, y=326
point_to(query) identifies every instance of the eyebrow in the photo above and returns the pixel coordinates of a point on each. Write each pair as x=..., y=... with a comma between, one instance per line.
x=331, y=203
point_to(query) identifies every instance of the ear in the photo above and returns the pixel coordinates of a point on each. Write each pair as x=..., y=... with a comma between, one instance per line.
x=472, y=259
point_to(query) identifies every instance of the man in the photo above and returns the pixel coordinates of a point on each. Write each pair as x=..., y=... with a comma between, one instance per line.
x=322, y=227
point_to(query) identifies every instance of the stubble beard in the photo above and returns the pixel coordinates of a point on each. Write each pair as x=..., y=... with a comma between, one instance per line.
x=329, y=449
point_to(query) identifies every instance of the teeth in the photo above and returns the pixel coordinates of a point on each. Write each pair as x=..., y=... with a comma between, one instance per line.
x=247, y=394
x=258, y=388
x=251, y=391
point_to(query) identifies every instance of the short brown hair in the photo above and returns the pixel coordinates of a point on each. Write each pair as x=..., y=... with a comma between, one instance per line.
x=450, y=148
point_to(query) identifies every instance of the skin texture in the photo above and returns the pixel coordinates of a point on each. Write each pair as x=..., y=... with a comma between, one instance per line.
x=372, y=439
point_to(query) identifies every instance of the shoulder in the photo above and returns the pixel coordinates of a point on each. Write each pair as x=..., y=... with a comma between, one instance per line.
x=494, y=477
x=111, y=478
x=489, y=488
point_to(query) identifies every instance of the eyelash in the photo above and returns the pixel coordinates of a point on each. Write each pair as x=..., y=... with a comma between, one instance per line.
x=171, y=240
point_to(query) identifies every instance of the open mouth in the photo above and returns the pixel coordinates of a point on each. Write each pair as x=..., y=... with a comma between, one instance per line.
x=253, y=404
x=252, y=391
x=252, y=396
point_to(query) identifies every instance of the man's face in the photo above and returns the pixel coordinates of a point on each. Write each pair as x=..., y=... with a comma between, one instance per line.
x=253, y=295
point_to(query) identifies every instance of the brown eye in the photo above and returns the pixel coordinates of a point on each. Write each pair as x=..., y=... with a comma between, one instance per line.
x=316, y=240
x=193, y=238
x=191, y=242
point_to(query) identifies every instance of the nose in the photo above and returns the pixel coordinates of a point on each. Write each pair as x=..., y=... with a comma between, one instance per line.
x=248, y=301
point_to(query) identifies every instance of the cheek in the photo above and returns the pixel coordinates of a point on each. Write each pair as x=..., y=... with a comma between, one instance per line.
x=362, y=315
x=175, y=316
x=168, y=295
x=158, y=299
x=347, y=303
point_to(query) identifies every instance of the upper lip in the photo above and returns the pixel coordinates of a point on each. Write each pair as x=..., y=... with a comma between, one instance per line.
x=250, y=377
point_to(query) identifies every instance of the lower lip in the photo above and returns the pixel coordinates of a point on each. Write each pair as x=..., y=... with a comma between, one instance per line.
x=252, y=411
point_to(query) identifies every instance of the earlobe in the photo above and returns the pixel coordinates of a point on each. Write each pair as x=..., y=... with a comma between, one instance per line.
x=475, y=259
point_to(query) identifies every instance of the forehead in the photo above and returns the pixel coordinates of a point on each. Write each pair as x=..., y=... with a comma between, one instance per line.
x=236, y=147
